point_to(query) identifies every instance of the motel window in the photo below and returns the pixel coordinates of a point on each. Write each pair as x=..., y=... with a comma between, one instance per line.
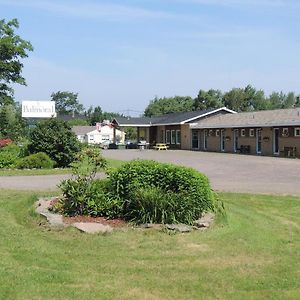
x=210, y=132
x=285, y=132
x=251, y=132
x=173, y=136
x=178, y=137
x=297, y=131
x=217, y=132
x=243, y=132
x=168, y=137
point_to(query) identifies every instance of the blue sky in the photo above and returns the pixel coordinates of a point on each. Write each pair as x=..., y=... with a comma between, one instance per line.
x=121, y=54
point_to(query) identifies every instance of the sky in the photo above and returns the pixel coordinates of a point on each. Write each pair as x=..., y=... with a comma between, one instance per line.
x=120, y=54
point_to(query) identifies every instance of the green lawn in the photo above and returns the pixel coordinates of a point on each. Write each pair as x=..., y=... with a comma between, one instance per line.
x=111, y=164
x=255, y=256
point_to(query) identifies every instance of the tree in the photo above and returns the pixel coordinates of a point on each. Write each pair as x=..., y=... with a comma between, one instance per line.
x=66, y=103
x=161, y=106
x=96, y=115
x=12, y=49
x=55, y=138
x=247, y=99
x=11, y=124
x=210, y=99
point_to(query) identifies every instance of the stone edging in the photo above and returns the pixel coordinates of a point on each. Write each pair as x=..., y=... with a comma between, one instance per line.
x=56, y=221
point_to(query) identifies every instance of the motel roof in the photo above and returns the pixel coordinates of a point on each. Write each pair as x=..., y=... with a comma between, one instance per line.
x=168, y=119
x=264, y=118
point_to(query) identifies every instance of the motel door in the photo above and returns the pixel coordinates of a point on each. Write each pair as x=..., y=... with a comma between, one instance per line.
x=276, y=141
x=235, y=140
x=222, y=141
x=258, y=141
x=195, y=139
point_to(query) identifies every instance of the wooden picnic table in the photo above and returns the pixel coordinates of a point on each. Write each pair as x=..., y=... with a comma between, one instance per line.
x=161, y=146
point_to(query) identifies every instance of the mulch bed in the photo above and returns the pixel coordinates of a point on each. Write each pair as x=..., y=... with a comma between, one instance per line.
x=89, y=219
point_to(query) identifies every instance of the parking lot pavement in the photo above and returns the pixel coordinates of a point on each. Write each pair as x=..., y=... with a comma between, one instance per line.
x=229, y=172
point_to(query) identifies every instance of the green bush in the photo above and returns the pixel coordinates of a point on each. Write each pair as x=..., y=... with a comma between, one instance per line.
x=82, y=197
x=55, y=138
x=9, y=156
x=139, y=191
x=35, y=161
x=161, y=192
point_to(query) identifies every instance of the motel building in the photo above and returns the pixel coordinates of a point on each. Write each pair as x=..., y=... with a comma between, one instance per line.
x=269, y=132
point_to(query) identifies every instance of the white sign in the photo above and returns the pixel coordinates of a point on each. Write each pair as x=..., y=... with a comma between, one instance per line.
x=38, y=109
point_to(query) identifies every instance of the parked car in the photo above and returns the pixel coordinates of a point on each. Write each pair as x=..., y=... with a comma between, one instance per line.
x=104, y=145
x=131, y=144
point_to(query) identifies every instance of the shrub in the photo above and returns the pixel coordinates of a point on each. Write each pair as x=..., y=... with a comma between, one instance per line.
x=82, y=194
x=139, y=191
x=56, y=139
x=9, y=156
x=35, y=161
x=162, y=191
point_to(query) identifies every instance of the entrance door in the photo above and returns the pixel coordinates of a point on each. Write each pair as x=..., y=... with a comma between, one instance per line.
x=276, y=141
x=235, y=140
x=195, y=139
x=222, y=141
x=205, y=140
x=258, y=141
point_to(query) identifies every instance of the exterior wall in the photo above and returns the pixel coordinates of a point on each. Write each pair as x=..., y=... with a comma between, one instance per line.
x=185, y=137
x=160, y=134
x=267, y=140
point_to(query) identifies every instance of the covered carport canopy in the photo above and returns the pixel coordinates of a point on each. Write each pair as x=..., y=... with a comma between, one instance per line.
x=142, y=124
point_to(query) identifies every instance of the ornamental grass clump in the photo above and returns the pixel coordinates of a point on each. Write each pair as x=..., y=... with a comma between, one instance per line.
x=139, y=191
x=154, y=192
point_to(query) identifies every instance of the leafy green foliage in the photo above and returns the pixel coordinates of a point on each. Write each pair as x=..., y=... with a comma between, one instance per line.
x=11, y=123
x=9, y=156
x=12, y=49
x=56, y=139
x=238, y=99
x=138, y=191
x=82, y=194
x=66, y=102
x=35, y=161
x=187, y=190
x=161, y=106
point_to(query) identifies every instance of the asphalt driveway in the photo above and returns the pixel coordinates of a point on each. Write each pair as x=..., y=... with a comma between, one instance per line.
x=230, y=172
x=227, y=172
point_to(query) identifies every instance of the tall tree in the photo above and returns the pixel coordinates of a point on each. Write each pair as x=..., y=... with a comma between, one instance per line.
x=210, y=99
x=12, y=49
x=161, y=106
x=11, y=124
x=66, y=103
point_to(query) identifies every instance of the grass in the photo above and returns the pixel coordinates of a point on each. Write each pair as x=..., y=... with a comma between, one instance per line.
x=255, y=256
x=112, y=163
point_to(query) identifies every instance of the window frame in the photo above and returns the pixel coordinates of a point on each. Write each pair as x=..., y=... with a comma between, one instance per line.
x=168, y=137
x=251, y=132
x=243, y=132
x=217, y=132
x=295, y=131
x=173, y=137
x=178, y=137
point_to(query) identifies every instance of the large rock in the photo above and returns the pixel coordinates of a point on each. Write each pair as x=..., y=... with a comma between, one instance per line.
x=205, y=221
x=179, y=227
x=93, y=227
x=55, y=220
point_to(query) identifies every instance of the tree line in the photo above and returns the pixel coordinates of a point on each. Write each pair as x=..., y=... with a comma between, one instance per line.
x=237, y=99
